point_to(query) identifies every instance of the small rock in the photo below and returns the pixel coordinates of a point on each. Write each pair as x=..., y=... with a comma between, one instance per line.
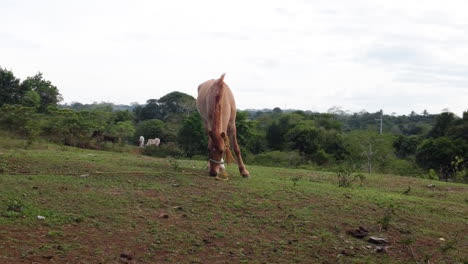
x=178, y=208
x=442, y=239
x=175, y=185
x=345, y=252
x=363, y=228
x=40, y=217
x=163, y=215
x=369, y=247
x=84, y=175
x=126, y=255
x=377, y=240
x=358, y=233
x=430, y=186
x=380, y=249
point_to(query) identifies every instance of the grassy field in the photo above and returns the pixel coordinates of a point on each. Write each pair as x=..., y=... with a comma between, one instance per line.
x=108, y=207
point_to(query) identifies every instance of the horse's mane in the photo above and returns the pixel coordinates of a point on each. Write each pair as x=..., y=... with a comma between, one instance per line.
x=218, y=103
x=219, y=94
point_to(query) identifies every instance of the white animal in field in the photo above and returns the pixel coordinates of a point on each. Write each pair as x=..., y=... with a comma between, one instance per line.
x=141, y=141
x=154, y=142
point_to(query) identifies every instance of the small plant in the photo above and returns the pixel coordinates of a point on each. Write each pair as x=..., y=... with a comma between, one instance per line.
x=3, y=164
x=407, y=191
x=15, y=205
x=295, y=179
x=14, y=208
x=432, y=175
x=389, y=212
x=175, y=165
x=345, y=177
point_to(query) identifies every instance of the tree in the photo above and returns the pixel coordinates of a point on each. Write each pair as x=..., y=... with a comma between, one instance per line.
x=277, y=110
x=151, y=129
x=121, y=116
x=176, y=106
x=70, y=127
x=440, y=153
x=276, y=132
x=243, y=128
x=31, y=99
x=305, y=137
x=192, y=137
x=20, y=119
x=151, y=110
x=405, y=146
x=443, y=122
x=11, y=92
x=48, y=93
x=369, y=149
x=123, y=129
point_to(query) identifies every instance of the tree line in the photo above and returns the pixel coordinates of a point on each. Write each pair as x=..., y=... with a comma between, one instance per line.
x=416, y=144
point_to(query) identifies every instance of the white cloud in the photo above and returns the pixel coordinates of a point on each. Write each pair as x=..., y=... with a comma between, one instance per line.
x=396, y=55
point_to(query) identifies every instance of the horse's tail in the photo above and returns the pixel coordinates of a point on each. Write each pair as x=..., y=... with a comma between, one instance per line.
x=229, y=157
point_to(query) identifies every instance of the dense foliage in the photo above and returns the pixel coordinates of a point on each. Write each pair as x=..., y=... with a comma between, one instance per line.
x=417, y=144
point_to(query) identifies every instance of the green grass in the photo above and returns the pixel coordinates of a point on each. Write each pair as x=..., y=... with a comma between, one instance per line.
x=98, y=205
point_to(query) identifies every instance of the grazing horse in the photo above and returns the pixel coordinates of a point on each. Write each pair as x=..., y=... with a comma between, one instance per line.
x=154, y=142
x=217, y=107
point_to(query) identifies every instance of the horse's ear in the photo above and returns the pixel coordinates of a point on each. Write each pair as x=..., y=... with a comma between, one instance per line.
x=223, y=135
x=221, y=79
x=210, y=133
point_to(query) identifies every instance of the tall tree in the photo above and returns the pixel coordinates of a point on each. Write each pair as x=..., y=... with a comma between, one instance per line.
x=192, y=137
x=11, y=92
x=48, y=93
x=443, y=122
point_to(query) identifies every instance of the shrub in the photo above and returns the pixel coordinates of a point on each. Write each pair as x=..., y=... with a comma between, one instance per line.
x=405, y=168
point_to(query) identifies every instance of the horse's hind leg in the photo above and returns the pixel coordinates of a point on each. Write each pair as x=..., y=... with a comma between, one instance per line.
x=233, y=136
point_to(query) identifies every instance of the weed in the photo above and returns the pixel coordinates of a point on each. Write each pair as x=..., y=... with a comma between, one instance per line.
x=432, y=175
x=15, y=206
x=389, y=212
x=3, y=165
x=295, y=179
x=407, y=191
x=345, y=177
x=53, y=233
x=175, y=164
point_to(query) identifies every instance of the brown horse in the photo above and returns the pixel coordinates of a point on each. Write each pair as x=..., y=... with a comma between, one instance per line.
x=217, y=107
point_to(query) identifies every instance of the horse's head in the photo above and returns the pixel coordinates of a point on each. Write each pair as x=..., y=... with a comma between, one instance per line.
x=216, y=150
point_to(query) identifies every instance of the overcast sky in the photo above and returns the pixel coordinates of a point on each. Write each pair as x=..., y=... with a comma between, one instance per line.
x=398, y=55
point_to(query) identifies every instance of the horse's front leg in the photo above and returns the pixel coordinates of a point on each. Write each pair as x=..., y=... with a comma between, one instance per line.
x=232, y=132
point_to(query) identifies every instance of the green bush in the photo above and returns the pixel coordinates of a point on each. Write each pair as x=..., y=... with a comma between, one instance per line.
x=404, y=168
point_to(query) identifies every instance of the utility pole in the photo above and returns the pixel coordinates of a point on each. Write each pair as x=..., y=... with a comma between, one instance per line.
x=381, y=121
